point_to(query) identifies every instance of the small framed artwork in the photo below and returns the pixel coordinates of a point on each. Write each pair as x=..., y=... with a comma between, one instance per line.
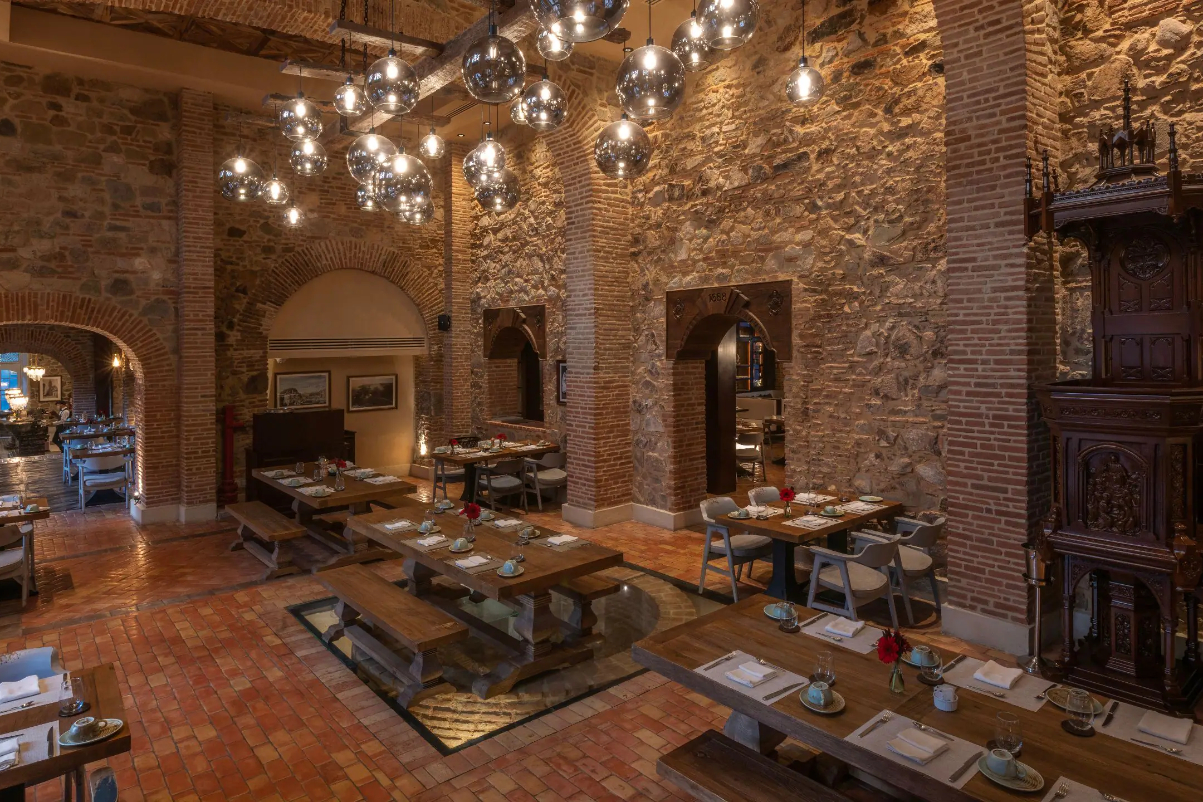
x=303, y=390
x=369, y=393
x=561, y=381
x=51, y=388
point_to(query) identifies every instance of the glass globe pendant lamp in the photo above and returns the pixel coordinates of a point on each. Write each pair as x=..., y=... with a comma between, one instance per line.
x=494, y=68
x=518, y=112
x=308, y=157
x=420, y=213
x=498, y=192
x=486, y=158
x=392, y=85
x=579, y=20
x=240, y=179
x=294, y=217
x=349, y=99
x=275, y=192
x=365, y=197
x=727, y=24
x=689, y=43
x=623, y=149
x=401, y=182
x=300, y=119
x=432, y=146
x=651, y=83
x=544, y=105
x=367, y=153
x=552, y=47
x=805, y=85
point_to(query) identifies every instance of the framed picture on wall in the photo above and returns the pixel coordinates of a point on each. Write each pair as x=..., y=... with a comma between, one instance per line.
x=50, y=388
x=368, y=393
x=561, y=381
x=303, y=390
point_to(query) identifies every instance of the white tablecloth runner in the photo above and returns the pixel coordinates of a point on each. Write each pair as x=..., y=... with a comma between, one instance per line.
x=1077, y=792
x=1023, y=694
x=941, y=768
x=772, y=688
x=1123, y=726
x=51, y=689
x=864, y=641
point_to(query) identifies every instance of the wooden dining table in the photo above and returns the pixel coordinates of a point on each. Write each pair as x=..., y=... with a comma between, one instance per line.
x=784, y=583
x=104, y=695
x=533, y=651
x=470, y=458
x=1129, y=771
x=99, y=434
x=12, y=517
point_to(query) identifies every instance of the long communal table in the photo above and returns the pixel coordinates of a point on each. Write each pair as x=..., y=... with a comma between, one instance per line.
x=533, y=651
x=1128, y=771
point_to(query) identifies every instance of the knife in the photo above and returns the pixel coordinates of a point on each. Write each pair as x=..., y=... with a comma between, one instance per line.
x=1110, y=713
x=955, y=660
x=50, y=742
x=881, y=720
x=784, y=691
x=811, y=620
x=722, y=659
x=956, y=775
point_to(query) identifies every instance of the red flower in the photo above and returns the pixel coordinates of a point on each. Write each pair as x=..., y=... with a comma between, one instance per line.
x=891, y=646
x=342, y=463
x=470, y=511
x=501, y=436
x=787, y=494
x=454, y=442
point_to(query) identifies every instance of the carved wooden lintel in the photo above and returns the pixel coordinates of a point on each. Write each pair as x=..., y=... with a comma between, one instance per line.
x=507, y=330
x=697, y=319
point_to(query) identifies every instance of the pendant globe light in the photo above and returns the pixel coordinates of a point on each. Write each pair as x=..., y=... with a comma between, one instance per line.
x=366, y=154
x=498, y=192
x=308, y=158
x=239, y=178
x=432, y=145
x=365, y=197
x=518, y=112
x=294, y=217
x=300, y=118
x=349, y=99
x=486, y=158
x=552, y=47
x=401, y=182
x=274, y=192
x=623, y=149
x=727, y=24
x=392, y=85
x=420, y=213
x=689, y=43
x=651, y=80
x=544, y=105
x=579, y=20
x=494, y=68
x=805, y=85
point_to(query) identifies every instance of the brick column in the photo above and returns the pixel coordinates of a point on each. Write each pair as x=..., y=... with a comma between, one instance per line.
x=197, y=371
x=1001, y=328
x=459, y=217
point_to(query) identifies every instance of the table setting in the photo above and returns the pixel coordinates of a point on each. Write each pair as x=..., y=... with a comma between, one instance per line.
x=1179, y=737
x=1010, y=685
x=941, y=756
x=748, y=675
x=479, y=563
x=317, y=491
x=861, y=507
x=399, y=525
x=28, y=745
x=292, y=480
x=809, y=521
x=563, y=542
x=812, y=499
x=854, y=635
x=381, y=480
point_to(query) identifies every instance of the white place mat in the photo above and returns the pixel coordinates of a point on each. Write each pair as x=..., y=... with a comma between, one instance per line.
x=771, y=688
x=359, y=473
x=863, y=642
x=51, y=689
x=941, y=768
x=765, y=510
x=812, y=498
x=397, y=525
x=295, y=481
x=860, y=507
x=33, y=742
x=1077, y=792
x=491, y=563
x=810, y=522
x=1123, y=726
x=382, y=480
x=279, y=473
x=1023, y=694
x=504, y=523
x=317, y=491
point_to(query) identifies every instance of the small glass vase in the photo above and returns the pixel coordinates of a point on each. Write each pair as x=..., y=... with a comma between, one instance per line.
x=897, y=683
x=469, y=527
x=339, y=484
x=789, y=513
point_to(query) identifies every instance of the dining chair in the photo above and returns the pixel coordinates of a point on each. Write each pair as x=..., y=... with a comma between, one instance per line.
x=861, y=578
x=545, y=473
x=502, y=478
x=749, y=448
x=442, y=476
x=915, y=541
x=42, y=661
x=102, y=473
x=774, y=432
x=15, y=559
x=759, y=496
x=737, y=549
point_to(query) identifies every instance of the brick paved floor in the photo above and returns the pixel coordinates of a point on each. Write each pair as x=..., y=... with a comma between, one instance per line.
x=230, y=698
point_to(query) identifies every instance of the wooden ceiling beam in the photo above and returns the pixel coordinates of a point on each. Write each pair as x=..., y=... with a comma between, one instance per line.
x=378, y=37
x=309, y=69
x=356, y=127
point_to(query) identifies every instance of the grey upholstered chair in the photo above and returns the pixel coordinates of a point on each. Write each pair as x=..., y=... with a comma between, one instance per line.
x=861, y=578
x=502, y=478
x=102, y=473
x=738, y=550
x=915, y=541
x=759, y=496
x=16, y=550
x=442, y=476
x=546, y=473
x=749, y=449
x=42, y=661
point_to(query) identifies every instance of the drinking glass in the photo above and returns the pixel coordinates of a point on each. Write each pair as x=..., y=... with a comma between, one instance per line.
x=825, y=667
x=1080, y=707
x=1007, y=732
x=72, y=696
x=300, y=469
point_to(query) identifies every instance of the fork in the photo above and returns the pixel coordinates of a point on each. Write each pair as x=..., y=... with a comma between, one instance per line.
x=1173, y=750
x=1110, y=797
x=1062, y=791
x=829, y=636
x=933, y=731
x=885, y=717
x=995, y=694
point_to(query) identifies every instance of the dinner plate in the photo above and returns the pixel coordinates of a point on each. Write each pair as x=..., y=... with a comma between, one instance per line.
x=831, y=514
x=1030, y=781
x=737, y=517
x=871, y=499
x=108, y=728
x=519, y=572
x=1059, y=695
x=778, y=612
x=837, y=703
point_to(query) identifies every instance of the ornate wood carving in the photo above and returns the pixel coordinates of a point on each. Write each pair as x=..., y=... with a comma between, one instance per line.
x=1113, y=496
x=507, y=329
x=697, y=319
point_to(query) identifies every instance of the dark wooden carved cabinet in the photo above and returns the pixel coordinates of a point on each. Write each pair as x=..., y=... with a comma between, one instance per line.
x=1126, y=442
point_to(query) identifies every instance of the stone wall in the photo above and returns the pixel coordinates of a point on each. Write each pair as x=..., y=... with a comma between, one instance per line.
x=53, y=368
x=70, y=349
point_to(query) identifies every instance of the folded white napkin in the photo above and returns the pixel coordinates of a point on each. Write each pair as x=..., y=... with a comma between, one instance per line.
x=316, y=490
x=381, y=480
x=758, y=670
x=10, y=751
x=917, y=746
x=506, y=522
x=433, y=540
x=992, y=673
x=360, y=473
x=296, y=481
x=1167, y=727
x=560, y=540
x=471, y=562
x=749, y=675
x=844, y=627
x=11, y=691
x=400, y=523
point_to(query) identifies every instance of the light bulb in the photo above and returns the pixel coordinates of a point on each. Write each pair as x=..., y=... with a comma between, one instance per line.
x=432, y=146
x=805, y=85
x=349, y=100
x=300, y=119
x=294, y=216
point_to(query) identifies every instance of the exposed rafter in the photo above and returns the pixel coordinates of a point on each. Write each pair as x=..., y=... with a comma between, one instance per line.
x=378, y=37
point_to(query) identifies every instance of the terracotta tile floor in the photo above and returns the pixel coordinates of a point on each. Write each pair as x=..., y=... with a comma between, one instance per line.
x=230, y=698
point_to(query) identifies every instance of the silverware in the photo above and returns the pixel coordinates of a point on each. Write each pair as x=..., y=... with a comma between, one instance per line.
x=770, y=665
x=933, y=731
x=784, y=691
x=995, y=694
x=1110, y=797
x=1062, y=791
x=1044, y=693
x=1173, y=750
x=1110, y=713
x=956, y=775
x=829, y=636
x=884, y=718
x=722, y=659
x=812, y=619
x=51, y=742
x=955, y=660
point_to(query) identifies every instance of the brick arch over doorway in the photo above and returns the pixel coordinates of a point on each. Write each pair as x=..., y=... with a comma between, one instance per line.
x=245, y=349
x=62, y=344
x=156, y=403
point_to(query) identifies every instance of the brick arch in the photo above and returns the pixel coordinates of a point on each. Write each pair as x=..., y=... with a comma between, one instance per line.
x=54, y=341
x=156, y=404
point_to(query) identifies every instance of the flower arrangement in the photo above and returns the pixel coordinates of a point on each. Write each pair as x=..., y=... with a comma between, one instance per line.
x=890, y=648
x=340, y=463
x=787, y=495
x=470, y=511
x=454, y=444
x=501, y=436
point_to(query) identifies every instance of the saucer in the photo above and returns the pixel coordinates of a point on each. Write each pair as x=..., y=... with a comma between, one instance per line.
x=837, y=703
x=778, y=612
x=906, y=658
x=738, y=517
x=1059, y=695
x=454, y=550
x=519, y=572
x=433, y=531
x=108, y=728
x=836, y=514
x=1029, y=780
x=871, y=499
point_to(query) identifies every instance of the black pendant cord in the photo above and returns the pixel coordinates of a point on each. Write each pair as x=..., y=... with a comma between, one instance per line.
x=650, y=41
x=803, y=28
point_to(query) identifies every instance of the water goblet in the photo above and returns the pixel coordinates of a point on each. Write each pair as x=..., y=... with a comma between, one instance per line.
x=1080, y=708
x=824, y=668
x=300, y=469
x=72, y=699
x=1008, y=734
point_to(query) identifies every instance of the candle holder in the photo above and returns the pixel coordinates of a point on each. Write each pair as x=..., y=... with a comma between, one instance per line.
x=1036, y=576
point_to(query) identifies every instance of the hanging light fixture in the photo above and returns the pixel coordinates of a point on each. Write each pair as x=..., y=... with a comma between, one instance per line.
x=494, y=68
x=727, y=24
x=623, y=149
x=240, y=179
x=365, y=197
x=483, y=160
x=689, y=43
x=300, y=118
x=349, y=99
x=294, y=217
x=552, y=47
x=401, y=182
x=806, y=84
x=420, y=213
x=18, y=402
x=367, y=153
x=498, y=192
x=651, y=80
x=544, y=105
x=579, y=20
x=391, y=84
x=518, y=112
x=274, y=192
x=308, y=157
x=34, y=371
x=432, y=145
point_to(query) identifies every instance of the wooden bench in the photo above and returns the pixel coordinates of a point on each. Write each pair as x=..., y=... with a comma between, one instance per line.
x=714, y=768
x=583, y=591
x=382, y=621
x=261, y=531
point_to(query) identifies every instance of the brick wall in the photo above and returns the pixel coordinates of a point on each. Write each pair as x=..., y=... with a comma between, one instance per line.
x=501, y=378
x=71, y=350
x=459, y=215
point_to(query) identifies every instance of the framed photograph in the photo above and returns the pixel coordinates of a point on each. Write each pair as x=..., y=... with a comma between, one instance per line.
x=368, y=393
x=303, y=390
x=561, y=381
x=51, y=388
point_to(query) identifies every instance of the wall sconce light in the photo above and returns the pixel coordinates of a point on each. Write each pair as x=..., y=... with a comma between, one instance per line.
x=116, y=360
